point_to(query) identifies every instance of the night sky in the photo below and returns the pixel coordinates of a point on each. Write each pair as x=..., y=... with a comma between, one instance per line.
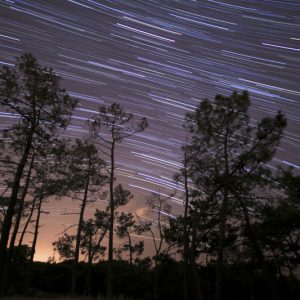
x=158, y=59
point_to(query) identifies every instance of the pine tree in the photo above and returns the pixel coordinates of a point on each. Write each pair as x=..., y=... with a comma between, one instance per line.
x=226, y=154
x=111, y=126
x=85, y=168
x=31, y=92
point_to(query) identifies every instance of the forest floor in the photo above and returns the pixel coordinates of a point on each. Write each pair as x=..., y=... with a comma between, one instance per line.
x=49, y=298
x=54, y=298
x=57, y=298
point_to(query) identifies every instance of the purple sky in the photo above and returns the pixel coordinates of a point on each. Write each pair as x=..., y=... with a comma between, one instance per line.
x=159, y=59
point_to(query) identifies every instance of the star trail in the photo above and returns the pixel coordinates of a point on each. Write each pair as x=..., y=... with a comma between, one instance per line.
x=159, y=59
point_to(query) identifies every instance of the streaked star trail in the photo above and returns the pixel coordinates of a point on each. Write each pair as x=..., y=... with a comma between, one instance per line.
x=158, y=59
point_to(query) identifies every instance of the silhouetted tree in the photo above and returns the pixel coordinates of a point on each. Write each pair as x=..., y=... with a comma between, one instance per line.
x=111, y=126
x=20, y=208
x=226, y=154
x=32, y=93
x=277, y=231
x=44, y=186
x=85, y=169
x=184, y=231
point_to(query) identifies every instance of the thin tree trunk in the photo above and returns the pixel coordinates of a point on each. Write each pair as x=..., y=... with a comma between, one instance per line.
x=197, y=281
x=258, y=253
x=156, y=280
x=78, y=236
x=35, y=237
x=20, y=211
x=111, y=225
x=36, y=229
x=7, y=223
x=186, y=236
x=223, y=218
x=11, y=253
x=218, y=295
x=26, y=224
x=157, y=249
x=88, y=283
x=130, y=250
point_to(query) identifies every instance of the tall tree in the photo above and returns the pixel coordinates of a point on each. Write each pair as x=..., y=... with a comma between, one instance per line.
x=46, y=177
x=32, y=92
x=183, y=230
x=86, y=179
x=224, y=150
x=111, y=126
x=20, y=209
x=46, y=182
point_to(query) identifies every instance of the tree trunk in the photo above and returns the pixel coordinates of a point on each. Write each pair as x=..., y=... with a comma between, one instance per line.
x=197, y=281
x=111, y=225
x=156, y=280
x=223, y=218
x=20, y=211
x=26, y=224
x=35, y=237
x=186, y=236
x=258, y=253
x=78, y=236
x=218, y=295
x=130, y=250
x=36, y=228
x=88, y=283
x=11, y=253
x=7, y=223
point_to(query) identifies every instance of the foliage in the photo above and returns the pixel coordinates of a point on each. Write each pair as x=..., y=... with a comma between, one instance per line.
x=92, y=234
x=238, y=236
x=126, y=227
x=230, y=183
x=111, y=126
x=31, y=93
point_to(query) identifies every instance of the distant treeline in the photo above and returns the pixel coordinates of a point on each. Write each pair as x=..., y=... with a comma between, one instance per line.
x=238, y=234
x=241, y=281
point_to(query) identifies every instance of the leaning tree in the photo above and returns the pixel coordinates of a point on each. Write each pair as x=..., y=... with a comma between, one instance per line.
x=32, y=94
x=85, y=181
